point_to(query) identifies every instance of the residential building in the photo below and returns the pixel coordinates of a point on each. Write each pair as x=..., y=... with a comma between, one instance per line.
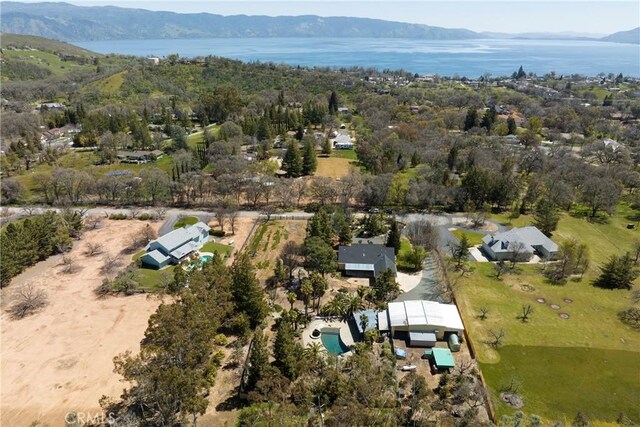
x=366, y=260
x=175, y=246
x=522, y=243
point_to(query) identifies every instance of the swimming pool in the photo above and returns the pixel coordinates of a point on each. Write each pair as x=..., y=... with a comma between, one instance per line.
x=332, y=342
x=204, y=258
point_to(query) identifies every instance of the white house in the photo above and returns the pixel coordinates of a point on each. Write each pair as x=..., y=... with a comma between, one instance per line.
x=175, y=246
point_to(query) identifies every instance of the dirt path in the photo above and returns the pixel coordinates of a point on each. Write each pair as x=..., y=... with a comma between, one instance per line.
x=61, y=359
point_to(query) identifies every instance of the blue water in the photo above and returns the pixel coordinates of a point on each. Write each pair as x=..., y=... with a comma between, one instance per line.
x=471, y=58
x=333, y=343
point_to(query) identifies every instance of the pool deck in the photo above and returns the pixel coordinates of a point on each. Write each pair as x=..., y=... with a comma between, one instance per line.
x=345, y=332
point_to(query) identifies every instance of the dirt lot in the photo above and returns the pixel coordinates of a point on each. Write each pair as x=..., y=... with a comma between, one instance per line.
x=334, y=167
x=243, y=228
x=60, y=359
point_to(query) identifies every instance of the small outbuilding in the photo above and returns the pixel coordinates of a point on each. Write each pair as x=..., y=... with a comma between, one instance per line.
x=422, y=339
x=443, y=359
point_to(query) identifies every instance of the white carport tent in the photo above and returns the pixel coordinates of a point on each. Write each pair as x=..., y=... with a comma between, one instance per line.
x=424, y=316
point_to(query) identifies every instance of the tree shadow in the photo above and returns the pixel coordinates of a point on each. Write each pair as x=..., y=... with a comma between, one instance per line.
x=232, y=403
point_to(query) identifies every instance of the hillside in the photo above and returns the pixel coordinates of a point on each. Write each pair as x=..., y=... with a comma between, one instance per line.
x=64, y=21
x=56, y=47
x=36, y=58
x=631, y=36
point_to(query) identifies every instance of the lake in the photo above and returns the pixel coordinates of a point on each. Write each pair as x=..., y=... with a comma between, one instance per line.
x=470, y=58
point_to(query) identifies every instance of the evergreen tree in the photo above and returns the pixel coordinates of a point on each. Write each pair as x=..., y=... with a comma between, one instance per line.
x=452, y=157
x=264, y=129
x=326, y=147
x=471, y=120
x=385, y=287
x=319, y=255
x=618, y=273
x=511, y=125
x=285, y=351
x=546, y=216
x=309, y=160
x=521, y=73
x=299, y=133
x=489, y=118
x=460, y=251
x=333, y=103
x=320, y=226
x=247, y=293
x=292, y=160
x=393, y=239
x=258, y=360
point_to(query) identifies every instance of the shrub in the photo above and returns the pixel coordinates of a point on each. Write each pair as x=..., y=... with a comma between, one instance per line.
x=146, y=217
x=118, y=216
x=631, y=317
x=217, y=233
x=103, y=289
x=220, y=339
x=277, y=308
x=27, y=300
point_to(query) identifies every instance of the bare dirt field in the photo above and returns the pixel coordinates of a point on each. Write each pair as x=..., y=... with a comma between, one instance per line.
x=334, y=167
x=61, y=359
x=243, y=229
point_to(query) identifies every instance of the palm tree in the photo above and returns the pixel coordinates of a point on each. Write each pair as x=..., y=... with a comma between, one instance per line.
x=353, y=305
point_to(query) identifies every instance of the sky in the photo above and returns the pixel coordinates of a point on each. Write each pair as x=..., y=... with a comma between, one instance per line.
x=511, y=16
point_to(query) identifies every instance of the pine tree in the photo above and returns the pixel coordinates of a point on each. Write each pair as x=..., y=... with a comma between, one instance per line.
x=511, y=125
x=320, y=226
x=546, y=216
x=521, y=73
x=393, y=239
x=258, y=360
x=618, y=273
x=292, y=160
x=247, y=293
x=284, y=349
x=309, y=160
x=471, y=120
x=333, y=103
x=326, y=147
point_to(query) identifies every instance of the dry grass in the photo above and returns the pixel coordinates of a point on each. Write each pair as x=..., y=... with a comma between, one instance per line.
x=334, y=167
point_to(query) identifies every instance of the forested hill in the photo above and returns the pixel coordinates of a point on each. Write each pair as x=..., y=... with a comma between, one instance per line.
x=64, y=21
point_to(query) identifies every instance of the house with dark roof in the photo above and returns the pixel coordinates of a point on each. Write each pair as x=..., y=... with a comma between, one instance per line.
x=366, y=260
x=523, y=242
x=174, y=247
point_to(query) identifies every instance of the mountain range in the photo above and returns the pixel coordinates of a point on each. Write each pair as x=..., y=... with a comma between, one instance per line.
x=64, y=21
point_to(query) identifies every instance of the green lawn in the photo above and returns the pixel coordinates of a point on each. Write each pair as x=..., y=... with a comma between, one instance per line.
x=345, y=154
x=473, y=238
x=217, y=247
x=151, y=280
x=560, y=381
x=589, y=362
x=185, y=220
x=405, y=250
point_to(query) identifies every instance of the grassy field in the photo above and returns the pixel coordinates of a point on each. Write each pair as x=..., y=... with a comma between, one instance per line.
x=185, y=220
x=403, y=253
x=334, y=167
x=588, y=362
x=473, y=238
x=344, y=154
x=109, y=85
x=46, y=60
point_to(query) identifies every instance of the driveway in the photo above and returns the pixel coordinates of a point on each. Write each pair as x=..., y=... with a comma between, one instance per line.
x=429, y=286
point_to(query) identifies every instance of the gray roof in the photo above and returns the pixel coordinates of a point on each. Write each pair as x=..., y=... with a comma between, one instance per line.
x=184, y=250
x=530, y=236
x=157, y=256
x=343, y=139
x=376, y=258
x=176, y=238
x=372, y=319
